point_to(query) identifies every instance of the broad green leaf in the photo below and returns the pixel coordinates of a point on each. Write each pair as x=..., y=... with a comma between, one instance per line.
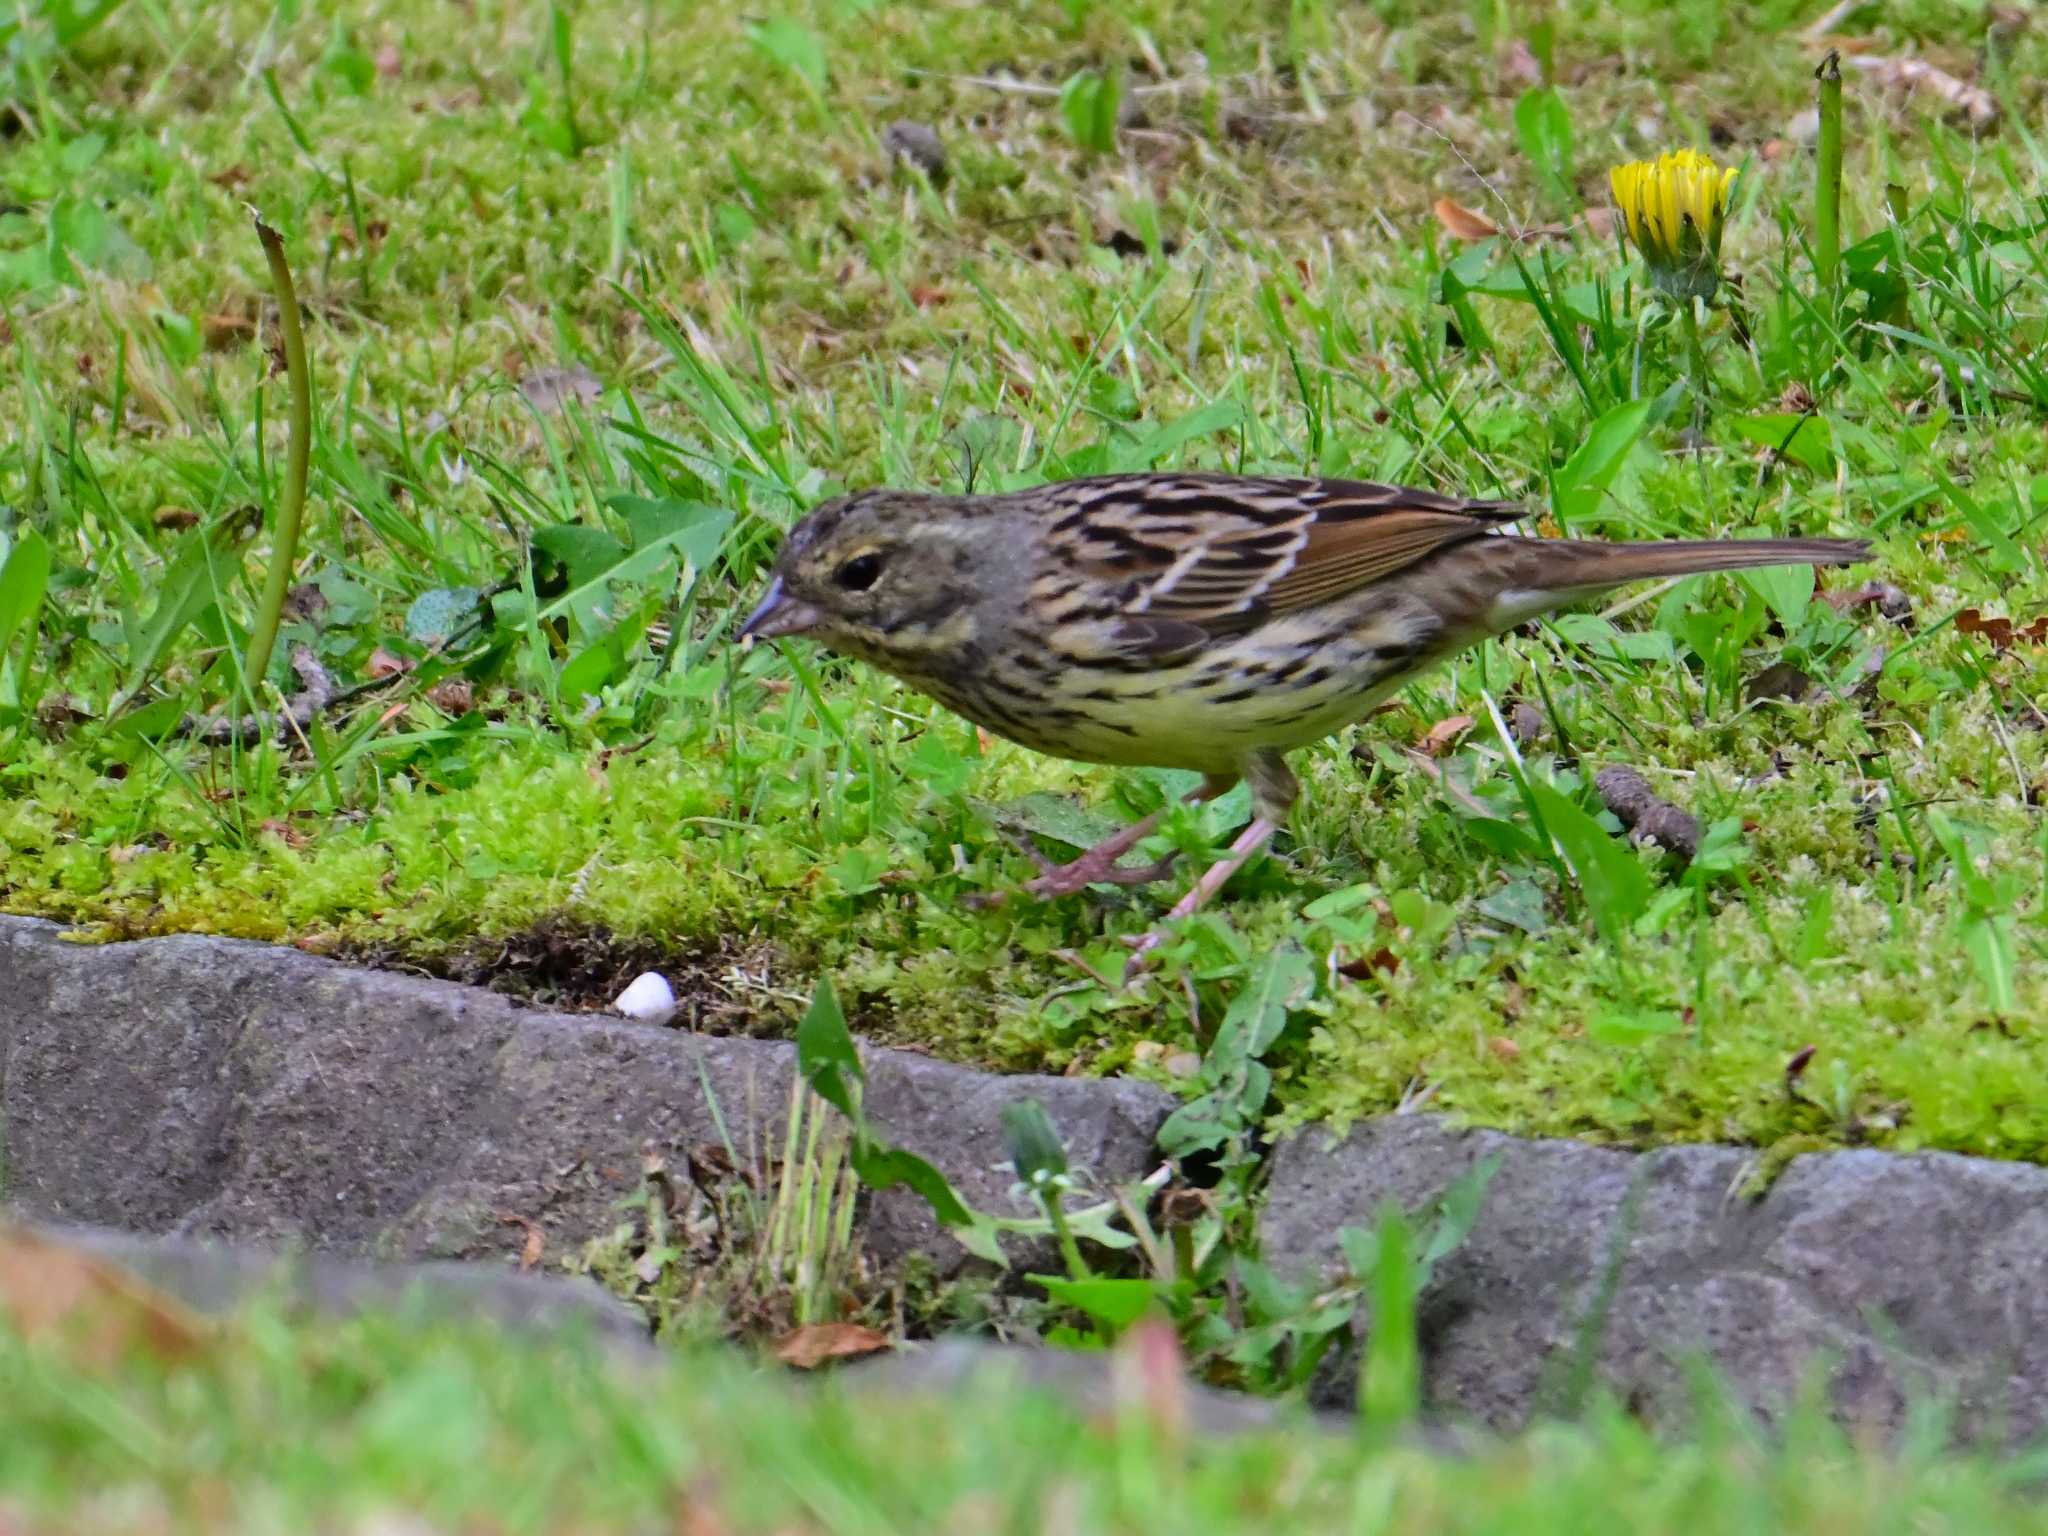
x=858, y=870
x=1988, y=941
x=1786, y=589
x=1338, y=902
x=1633, y=1029
x=1089, y=103
x=587, y=672
x=1589, y=471
x=24, y=578
x=881, y=1167
x=938, y=766
x=695, y=528
x=794, y=46
x=1520, y=904
x=202, y=565
x=825, y=1052
x=586, y=552
x=1259, y=1012
x=1113, y=1304
x=1543, y=128
x=1806, y=440
x=1171, y=438
x=1056, y=817
x=1611, y=878
x=595, y=559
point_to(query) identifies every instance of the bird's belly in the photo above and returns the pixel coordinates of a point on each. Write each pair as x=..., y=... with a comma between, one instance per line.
x=1268, y=690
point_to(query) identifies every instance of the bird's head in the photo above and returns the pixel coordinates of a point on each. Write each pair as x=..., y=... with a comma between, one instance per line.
x=892, y=577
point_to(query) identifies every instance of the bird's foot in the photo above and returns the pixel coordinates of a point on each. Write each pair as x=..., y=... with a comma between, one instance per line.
x=1249, y=841
x=1098, y=866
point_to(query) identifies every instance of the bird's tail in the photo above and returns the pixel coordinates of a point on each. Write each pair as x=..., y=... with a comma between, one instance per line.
x=1567, y=564
x=1508, y=579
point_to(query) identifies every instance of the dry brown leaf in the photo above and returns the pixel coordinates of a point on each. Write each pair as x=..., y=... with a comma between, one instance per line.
x=383, y=663
x=1974, y=102
x=174, y=519
x=1461, y=223
x=1383, y=960
x=1504, y=1048
x=2001, y=632
x=1796, y=1067
x=98, y=1311
x=285, y=832
x=453, y=695
x=810, y=1346
x=535, y=1243
x=226, y=330
x=1439, y=737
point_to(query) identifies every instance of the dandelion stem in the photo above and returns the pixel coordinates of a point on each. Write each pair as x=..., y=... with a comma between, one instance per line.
x=1827, y=200
x=1696, y=355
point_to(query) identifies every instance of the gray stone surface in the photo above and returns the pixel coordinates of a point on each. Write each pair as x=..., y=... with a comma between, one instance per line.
x=206, y=1087
x=210, y=1086
x=1875, y=1274
x=213, y=1276
x=1086, y=1379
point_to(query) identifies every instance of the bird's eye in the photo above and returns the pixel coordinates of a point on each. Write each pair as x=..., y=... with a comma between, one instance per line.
x=859, y=573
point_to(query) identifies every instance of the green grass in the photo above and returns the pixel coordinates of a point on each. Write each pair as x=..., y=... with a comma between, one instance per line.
x=380, y=1425
x=700, y=218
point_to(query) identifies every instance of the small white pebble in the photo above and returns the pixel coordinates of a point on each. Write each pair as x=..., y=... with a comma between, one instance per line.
x=647, y=998
x=1805, y=128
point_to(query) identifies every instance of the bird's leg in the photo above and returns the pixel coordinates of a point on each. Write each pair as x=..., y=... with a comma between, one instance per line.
x=1099, y=866
x=1273, y=790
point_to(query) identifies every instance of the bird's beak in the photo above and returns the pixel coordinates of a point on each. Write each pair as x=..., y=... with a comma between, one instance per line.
x=779, y=614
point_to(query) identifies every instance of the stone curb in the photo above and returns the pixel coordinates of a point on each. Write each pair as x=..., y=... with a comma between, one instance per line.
x=211, y=1276
x=1883, y=1277
x=204, y=1086
x=217, y=1087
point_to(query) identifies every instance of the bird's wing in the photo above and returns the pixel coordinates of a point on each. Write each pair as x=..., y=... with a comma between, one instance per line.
x=1221, y=552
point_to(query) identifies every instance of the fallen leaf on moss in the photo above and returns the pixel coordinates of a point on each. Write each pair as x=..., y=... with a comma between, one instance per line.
x=97, y=1312
x=1439, y=737
x=810, y=1346
x=2001, y=632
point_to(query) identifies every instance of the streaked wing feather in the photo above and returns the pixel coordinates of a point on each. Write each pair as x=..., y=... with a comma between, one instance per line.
x=1223, y=551
x=1343, y=555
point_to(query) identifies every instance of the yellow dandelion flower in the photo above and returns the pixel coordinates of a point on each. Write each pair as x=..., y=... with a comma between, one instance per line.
x=1674, y=208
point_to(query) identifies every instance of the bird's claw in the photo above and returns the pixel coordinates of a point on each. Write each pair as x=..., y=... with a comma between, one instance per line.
x=1066, y=879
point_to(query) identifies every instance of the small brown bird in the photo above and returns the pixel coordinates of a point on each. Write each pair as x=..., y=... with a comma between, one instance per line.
x=1212, y=622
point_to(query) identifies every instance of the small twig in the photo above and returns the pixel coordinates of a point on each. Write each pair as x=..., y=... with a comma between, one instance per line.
x=1645, y=813
x=315, y=694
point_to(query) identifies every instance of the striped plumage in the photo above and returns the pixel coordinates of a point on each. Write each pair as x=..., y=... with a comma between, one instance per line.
x=1212, y=622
